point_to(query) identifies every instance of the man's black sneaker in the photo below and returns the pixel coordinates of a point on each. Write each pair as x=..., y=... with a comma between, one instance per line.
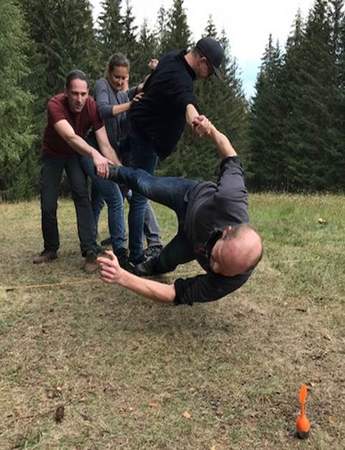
x=146, y=268
x=152, y=251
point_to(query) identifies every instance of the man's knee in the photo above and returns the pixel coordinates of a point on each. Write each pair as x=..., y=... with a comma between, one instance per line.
x=48, y=204
x=49, y=210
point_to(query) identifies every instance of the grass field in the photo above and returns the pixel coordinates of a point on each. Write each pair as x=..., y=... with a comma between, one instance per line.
x=132, y=374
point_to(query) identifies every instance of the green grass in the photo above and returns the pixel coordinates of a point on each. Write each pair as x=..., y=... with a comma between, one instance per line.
x=132, y=374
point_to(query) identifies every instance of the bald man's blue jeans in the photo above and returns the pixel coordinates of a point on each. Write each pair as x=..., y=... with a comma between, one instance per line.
x=171, y=192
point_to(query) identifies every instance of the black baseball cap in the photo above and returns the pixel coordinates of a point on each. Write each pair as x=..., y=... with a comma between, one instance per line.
x=213, y=51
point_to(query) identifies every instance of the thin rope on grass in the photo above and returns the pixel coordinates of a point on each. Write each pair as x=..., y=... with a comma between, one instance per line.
x=48, y=285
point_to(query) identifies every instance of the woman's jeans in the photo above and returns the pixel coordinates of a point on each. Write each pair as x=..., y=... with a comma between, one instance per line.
x=151, y=227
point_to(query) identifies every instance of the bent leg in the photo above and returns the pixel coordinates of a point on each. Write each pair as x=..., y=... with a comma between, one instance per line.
x=169, y=191
x=178, y=251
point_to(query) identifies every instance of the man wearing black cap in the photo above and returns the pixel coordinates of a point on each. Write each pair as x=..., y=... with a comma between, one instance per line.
x=158, y=120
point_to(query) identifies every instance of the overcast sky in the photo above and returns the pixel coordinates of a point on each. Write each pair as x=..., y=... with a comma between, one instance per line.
x=247, y=24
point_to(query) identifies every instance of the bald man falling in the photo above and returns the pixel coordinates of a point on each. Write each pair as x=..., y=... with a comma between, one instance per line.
x=213, y=228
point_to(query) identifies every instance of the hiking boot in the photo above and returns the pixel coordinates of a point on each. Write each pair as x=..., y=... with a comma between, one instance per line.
x=90, y=264
x=152, y=251
x=45, y=257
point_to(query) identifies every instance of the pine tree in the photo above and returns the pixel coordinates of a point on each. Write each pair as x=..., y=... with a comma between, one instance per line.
x=161, y=29
x=110, y=29
x=291, y=86
x=177, y=33
x=210, y=29
x=73, y=39
x=266, y=164
x=295, y=126
x=310, y=137
x=16, y=133
x=340, y=49
x=147, y=49
x=129, y=31
x=61, y=43
x=130, y=44
x=338, y=45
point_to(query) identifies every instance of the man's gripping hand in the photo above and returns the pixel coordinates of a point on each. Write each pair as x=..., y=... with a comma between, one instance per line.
x=201, y=126
x=110, y=268
x=101, y=163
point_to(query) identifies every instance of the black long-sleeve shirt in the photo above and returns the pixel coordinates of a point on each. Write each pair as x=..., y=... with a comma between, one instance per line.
x=212, y=207
x=160, y=114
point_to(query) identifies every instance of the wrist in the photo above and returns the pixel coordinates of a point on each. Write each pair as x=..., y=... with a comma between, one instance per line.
x=123, y=276
x=212, y=131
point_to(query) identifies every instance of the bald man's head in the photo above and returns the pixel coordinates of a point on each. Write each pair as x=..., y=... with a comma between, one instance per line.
x=238, y=250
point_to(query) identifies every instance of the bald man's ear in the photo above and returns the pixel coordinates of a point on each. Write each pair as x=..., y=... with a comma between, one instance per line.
x=226, y=230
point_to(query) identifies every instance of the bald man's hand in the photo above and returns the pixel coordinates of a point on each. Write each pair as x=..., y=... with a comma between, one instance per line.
x=110, y=269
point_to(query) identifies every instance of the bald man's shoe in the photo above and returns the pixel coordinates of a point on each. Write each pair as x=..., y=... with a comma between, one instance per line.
x=146, y=268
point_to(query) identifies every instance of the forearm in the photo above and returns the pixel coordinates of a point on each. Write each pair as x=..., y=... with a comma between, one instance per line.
x=223, y=144
x=153, y=290
x=111, y=272
x=109, y=152
x=105, y=147
x=191, y=114
x=80, y=145
x=120, y=108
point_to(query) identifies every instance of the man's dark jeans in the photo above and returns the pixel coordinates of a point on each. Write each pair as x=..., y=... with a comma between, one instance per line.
x=51, y=175
x=171, y=192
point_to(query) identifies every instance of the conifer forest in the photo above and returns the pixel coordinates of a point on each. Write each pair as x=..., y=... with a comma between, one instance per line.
x=290, y=134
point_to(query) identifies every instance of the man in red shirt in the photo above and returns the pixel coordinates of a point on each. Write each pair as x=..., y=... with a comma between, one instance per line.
x=70, y=116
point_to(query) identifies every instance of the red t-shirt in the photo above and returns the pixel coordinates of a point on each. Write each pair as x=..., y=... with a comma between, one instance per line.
x=58, y=109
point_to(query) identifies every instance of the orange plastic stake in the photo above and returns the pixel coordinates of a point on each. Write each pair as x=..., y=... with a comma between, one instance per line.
x=302, y=422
